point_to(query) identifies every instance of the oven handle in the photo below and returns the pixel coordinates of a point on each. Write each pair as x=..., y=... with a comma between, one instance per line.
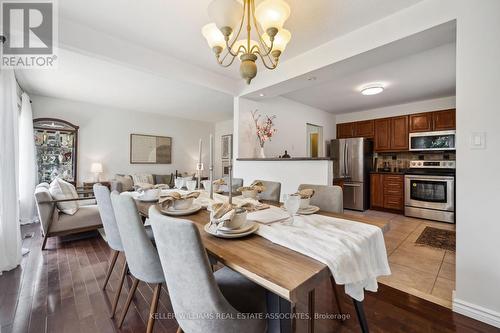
x=431, y=178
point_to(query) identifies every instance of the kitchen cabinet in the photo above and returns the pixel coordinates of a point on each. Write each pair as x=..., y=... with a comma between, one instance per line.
x=399, y=133
x=345, y=131
x=364, y=129
x=387, y=191
x=444, y=120
x=421, y=122
x=382, y=134
x=377, y=190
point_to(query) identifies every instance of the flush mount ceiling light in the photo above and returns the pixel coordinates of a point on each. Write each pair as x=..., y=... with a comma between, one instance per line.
x=372, y=89
x=264, y=23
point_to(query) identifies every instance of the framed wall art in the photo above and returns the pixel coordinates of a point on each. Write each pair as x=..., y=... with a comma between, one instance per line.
x=150, y=149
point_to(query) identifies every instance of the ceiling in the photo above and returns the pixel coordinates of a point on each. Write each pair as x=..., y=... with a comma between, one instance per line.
x=88, y=79
x=150, y=55
x=174, y=27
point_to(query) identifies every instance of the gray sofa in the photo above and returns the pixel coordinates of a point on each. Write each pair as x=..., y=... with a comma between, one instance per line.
x=124, y=183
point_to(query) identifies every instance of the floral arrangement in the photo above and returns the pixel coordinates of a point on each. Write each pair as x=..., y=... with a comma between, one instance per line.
x=264, y=127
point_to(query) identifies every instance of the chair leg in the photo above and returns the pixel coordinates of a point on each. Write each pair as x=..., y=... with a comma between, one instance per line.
x=119, y=291
x=114, y=256
x=45, y=237
x=179, y=330
x=154, y=307
x=336, y=295
x=129, y=300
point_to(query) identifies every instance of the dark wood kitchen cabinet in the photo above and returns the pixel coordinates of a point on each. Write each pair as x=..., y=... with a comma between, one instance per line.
x=421, y=122
x=387, y=191
x=399, y=133
x=444, y=120
x=345, y=131
x=382, y=134
x=364, y=129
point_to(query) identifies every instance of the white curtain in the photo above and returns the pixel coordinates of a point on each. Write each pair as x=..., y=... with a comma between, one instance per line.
x=10, y=229
x=27, y=164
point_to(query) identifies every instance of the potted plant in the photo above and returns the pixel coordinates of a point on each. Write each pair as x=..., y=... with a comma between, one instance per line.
x=264, y=129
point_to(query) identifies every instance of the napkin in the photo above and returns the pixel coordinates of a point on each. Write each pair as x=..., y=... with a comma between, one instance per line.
x=255, y=186
x=169, y=199
x=306, y=193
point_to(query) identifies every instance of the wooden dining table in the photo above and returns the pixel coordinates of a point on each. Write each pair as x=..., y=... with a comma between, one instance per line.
x=288, y=274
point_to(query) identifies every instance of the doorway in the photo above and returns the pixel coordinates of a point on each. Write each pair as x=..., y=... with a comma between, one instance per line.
x=314, y=140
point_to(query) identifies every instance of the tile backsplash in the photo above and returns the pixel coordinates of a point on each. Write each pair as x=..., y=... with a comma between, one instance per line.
x=401, y=161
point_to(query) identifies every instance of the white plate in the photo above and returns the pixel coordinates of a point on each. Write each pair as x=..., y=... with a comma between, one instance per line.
x=213, y=231
x=247, y=226
x=175, y=212
x=146, y=200
x=308, y=211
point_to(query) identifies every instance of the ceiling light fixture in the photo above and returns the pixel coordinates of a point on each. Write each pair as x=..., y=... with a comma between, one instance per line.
x=230, y=16
x=261, y=95
x=372, y=89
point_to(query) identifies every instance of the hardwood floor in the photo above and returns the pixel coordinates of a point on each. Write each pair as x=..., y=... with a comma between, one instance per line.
x=59, y=291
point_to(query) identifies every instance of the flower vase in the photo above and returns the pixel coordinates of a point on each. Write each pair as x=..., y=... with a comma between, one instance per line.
x=262, y=154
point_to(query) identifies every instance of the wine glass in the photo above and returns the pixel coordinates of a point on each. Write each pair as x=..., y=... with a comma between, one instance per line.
x=292, y=204
x=179, y=183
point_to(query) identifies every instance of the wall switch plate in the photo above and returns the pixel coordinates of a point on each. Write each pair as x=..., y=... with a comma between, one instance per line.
x=477, y=140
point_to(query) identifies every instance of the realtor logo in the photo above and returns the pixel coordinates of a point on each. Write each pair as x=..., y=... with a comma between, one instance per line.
x=30, y=34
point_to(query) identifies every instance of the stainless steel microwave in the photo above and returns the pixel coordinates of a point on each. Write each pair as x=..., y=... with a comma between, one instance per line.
x=432, y=141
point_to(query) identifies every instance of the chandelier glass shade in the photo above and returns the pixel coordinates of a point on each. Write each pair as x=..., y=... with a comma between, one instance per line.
x=240, y=30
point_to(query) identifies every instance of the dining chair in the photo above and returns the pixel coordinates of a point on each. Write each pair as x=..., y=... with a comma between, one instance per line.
x=140, y=253
x=112, y=236
x=217, y=299
x=237, y=183
x=327, y=198
x=272, y=190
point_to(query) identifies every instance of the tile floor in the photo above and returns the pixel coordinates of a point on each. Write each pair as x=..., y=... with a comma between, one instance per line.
x=419, y=270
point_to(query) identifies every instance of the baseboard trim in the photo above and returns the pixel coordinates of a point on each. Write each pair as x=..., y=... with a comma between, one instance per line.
x=476, y=312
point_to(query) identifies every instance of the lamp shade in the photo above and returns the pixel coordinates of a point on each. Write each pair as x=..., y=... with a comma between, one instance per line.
x=96, y=168
x=272, y=13
x=213, y=36
x=225, y=13
x=280, y=40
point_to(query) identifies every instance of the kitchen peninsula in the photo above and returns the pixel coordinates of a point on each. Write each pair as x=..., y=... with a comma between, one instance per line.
x=290, y=172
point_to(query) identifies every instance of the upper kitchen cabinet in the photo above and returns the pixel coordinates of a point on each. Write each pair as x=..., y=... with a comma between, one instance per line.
x=421, y=122
x=399, y=133
x=444, y=120
x=382, y=134
x=364, y=129
x=345, y=131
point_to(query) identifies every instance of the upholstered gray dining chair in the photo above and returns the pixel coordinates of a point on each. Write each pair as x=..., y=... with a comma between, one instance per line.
x=215, y=300
x=237, y=183
x=272, y=190
x=142, y=257
x=327, y=198
x=111, y=236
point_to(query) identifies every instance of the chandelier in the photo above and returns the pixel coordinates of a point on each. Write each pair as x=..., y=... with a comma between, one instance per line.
x=263, y=36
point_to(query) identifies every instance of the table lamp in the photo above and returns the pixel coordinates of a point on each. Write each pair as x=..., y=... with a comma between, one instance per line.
x=96, y=169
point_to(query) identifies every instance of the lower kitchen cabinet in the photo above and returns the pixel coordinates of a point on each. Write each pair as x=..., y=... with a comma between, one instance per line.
x=387, y=191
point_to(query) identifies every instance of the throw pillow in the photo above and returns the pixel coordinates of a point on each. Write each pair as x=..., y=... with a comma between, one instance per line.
x=163, y=179
x=146, y=178
x=127, y=182
x=60, y=190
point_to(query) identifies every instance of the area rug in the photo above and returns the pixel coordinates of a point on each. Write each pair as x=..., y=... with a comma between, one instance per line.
x=438, y=238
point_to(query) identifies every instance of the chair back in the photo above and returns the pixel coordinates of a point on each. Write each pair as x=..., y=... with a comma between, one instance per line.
x=103, y=198
x=45, y=210
x=272, y=190
x=142, y=257
x=190, y=281
x=327, y=198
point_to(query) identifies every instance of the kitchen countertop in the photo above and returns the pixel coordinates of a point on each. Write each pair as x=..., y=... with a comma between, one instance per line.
x=389, y=172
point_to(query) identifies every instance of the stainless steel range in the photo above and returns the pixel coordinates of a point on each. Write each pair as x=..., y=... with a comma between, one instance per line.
x=430, y=190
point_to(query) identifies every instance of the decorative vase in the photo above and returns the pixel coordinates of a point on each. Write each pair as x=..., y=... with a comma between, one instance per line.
x=262, y=154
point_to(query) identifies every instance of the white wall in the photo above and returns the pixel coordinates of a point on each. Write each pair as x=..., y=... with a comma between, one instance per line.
x=291, y=122
x=104, y=136
x=397, y=110
x=221, y=128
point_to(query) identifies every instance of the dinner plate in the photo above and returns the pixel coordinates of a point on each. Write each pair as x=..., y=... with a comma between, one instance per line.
x=181, y=212
x=308, y=211
x=212, y=230
x=247, y=226
x=146, y=200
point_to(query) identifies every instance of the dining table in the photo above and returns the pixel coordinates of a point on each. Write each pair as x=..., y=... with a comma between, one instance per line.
x=291, y=278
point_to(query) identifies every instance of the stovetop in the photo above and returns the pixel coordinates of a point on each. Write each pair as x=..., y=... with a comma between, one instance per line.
x=430, y=172
x=434, y=168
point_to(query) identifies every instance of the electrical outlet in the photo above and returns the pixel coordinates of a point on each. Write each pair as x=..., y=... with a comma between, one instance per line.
x=477, y=140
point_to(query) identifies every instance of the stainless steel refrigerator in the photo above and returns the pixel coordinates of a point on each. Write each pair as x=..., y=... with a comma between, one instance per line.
x=352, y=161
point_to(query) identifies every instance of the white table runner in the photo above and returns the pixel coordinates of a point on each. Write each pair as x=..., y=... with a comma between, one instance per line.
x=355, y=252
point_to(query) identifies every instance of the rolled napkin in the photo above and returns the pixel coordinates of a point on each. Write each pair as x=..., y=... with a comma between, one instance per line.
x=219, y=181
x=171, y=197
x=255, y=186
x=306, y=193
x=221, y=212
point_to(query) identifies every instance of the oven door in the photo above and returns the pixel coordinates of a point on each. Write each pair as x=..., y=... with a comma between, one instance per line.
x=432, y=141
x=431, y=192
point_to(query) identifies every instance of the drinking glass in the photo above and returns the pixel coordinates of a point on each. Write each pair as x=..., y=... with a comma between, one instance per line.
x=179, y=183
x=191, y=185
x=292, y=204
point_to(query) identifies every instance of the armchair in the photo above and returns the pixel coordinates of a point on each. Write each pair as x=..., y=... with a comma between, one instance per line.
x=55, y=223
